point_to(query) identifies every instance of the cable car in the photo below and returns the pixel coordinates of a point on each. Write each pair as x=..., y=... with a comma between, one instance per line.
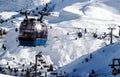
x=32, y=32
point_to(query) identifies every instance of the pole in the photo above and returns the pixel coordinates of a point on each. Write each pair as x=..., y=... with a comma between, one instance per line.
x=119, y=31
x=111, y=34
x=36, y=66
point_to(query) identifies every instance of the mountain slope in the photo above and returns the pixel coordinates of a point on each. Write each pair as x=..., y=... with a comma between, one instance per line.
x=100, y=61
x=94, y=15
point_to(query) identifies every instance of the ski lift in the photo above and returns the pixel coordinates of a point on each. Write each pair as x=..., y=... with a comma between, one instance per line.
x=40, y=60
x=79, y=34
x=43, y=62
x=32, y=32
x=94, y=35
x=38, y=65
x=115, y=66
x=46, y=66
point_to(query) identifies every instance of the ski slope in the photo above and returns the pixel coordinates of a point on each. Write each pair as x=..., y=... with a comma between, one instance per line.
x=100, y=61
x=63, y=50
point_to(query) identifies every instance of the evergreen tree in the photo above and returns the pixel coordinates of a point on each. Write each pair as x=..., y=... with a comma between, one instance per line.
x=0, y=69
x=16, y=29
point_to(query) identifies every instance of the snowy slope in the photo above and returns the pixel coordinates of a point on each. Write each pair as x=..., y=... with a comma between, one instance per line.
x=12, y=5
x=61, y=49
x=100, y=61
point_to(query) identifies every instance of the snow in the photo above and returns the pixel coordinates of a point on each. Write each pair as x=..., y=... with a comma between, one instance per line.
x=100, y=61
x=1, y=75
x=63, y=50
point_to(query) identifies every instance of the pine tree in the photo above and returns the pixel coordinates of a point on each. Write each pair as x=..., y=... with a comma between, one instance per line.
x=86, y=59
x=0, y=69
x=91, y=56
x=16, y=29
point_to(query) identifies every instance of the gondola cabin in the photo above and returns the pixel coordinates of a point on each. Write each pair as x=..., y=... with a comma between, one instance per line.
x=32, y=32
